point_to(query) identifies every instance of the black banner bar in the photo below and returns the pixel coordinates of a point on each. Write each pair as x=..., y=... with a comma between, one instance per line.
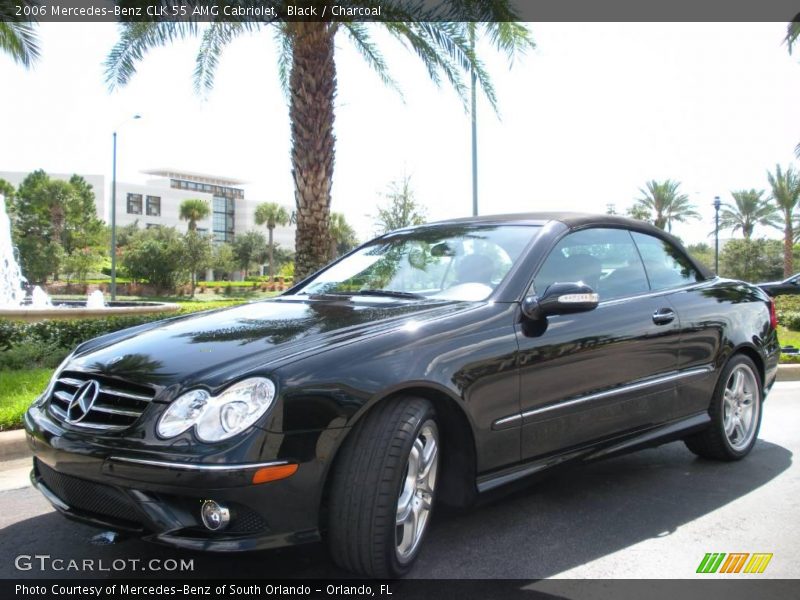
x=267, y=11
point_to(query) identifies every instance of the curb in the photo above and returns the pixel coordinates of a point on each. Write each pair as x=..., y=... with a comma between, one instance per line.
x=14, y=446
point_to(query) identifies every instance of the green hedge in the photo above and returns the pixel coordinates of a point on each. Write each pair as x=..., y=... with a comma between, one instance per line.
x=46, y=343
x=790, y=320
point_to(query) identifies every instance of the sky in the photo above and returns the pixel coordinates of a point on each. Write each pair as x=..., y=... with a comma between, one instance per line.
x=585, y=119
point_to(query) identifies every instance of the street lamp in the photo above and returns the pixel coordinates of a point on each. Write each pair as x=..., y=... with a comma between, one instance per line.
x=717, y=204
x=114, y=210
x=474, y=119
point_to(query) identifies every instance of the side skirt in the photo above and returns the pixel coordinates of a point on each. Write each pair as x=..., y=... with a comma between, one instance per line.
x=652, y=437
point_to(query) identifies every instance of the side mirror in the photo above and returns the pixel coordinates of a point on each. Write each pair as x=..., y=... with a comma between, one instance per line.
x=561, y=299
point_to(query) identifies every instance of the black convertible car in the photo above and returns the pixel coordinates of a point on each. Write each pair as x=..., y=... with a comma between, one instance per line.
x=427, y=366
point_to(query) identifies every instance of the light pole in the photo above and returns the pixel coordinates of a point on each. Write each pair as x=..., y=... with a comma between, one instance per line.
x=474, y=129
x=717, y=204
x=114, y=210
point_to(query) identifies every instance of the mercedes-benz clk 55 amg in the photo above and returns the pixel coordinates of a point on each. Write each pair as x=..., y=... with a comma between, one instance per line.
x=426, y=366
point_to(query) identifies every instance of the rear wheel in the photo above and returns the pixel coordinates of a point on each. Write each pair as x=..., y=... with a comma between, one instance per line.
x=384, y=487
x=735, y=414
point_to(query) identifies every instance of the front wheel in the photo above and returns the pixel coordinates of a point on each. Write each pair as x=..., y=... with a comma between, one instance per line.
x=735, y=414
x=383, y=489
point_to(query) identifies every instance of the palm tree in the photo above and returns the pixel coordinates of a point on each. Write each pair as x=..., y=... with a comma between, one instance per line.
x=194, y=210
x=438, y=35
x=786, y=196
x=18, y=40
x=271, y=215
x=749, y=209
x=343, y=236
x=663, y=200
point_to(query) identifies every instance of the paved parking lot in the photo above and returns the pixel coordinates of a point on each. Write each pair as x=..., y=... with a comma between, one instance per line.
x=653, y=514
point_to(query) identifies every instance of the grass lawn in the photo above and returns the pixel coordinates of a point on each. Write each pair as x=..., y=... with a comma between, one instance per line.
x=788, y=338
x=17, y=391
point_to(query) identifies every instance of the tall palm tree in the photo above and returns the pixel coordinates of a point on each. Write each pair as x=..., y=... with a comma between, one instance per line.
x=438, y=35
x=786, y=196
x=271, y=215
x=194, y=210
x=749, y=209
x=18, y=40
x=662, y=200
x=343, y=236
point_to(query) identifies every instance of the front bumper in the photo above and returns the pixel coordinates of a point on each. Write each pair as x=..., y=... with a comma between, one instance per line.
x=160, y=498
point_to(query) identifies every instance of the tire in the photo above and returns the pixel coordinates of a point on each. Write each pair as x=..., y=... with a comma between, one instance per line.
x=391, y=456
x=724, y=439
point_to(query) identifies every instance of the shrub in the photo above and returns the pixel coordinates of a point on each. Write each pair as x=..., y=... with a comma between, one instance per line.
x=790, y=320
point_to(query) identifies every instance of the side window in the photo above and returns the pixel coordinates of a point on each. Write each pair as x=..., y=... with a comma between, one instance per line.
x=666, y=266
x=604, y=259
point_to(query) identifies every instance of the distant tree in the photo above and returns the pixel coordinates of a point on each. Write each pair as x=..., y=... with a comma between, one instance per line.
x=639, y=213
x=786, y=196
x=7, y=190
x=48, y=213
x=702, y=252
x=402, y=209
x=18, y=39
x=666, y=205
x=82, y=261
x=750, y=208
x=343, y=236
x=752, y=260
x=223, y=260
x=247, y=248
x=197, y=254
x=194, y=210
x=271, y=214
x=156, y=255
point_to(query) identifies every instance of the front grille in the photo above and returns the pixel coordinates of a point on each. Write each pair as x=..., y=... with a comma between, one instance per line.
x=117, y=405
x=88, y=496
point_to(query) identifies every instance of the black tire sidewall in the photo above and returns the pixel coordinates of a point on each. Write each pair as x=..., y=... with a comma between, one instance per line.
x=425, y=414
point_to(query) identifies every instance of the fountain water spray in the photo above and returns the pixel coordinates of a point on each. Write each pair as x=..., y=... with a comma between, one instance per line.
x=11, y=292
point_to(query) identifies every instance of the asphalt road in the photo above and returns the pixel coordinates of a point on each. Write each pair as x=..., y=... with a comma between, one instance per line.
x=653, y=514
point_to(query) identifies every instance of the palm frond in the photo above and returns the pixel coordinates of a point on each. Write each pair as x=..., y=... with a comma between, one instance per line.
x=135, y=40
x=215, y=38
x=19, y=41
x=792, y=32
x=359, y=35
x=284, y=43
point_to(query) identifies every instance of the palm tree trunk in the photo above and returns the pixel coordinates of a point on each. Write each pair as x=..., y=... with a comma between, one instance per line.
x=313, y=88
x=271, y=270
x=788, y=248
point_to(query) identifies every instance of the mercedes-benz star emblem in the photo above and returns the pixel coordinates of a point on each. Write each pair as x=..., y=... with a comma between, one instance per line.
x=82, y=401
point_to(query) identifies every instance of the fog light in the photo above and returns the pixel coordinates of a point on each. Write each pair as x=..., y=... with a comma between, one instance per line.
x=215, y=516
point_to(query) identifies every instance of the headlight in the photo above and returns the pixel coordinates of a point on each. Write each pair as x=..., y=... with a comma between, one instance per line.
x=217, y=418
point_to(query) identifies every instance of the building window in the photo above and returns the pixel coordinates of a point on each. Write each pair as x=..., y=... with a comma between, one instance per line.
x=223, y=218
x=134, y=204
x=154, y=206
x=153, y=225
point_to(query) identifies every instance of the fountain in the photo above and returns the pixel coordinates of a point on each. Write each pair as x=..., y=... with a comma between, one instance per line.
x=15, y=305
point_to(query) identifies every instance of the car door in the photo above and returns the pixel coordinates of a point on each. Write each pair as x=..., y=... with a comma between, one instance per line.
x=698, y=306
x=592, y=375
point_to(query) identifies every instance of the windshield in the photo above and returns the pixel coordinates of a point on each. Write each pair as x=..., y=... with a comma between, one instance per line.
x=457, y=262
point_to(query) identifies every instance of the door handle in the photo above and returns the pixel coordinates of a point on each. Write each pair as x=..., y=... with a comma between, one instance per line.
x=663, y=316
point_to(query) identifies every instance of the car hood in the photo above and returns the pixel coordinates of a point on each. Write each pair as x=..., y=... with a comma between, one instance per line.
x=213, y=348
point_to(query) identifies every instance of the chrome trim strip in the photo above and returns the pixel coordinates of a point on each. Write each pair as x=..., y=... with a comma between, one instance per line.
x=63, y=396
x=102, y=426
x=116, y=411
x=71, y=382
x=121, y=394
x=196, y=467
x=58, y=411
x=632, y=387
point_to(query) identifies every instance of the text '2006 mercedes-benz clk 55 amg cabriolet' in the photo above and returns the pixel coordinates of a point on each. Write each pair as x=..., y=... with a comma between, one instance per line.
x=426, y=366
